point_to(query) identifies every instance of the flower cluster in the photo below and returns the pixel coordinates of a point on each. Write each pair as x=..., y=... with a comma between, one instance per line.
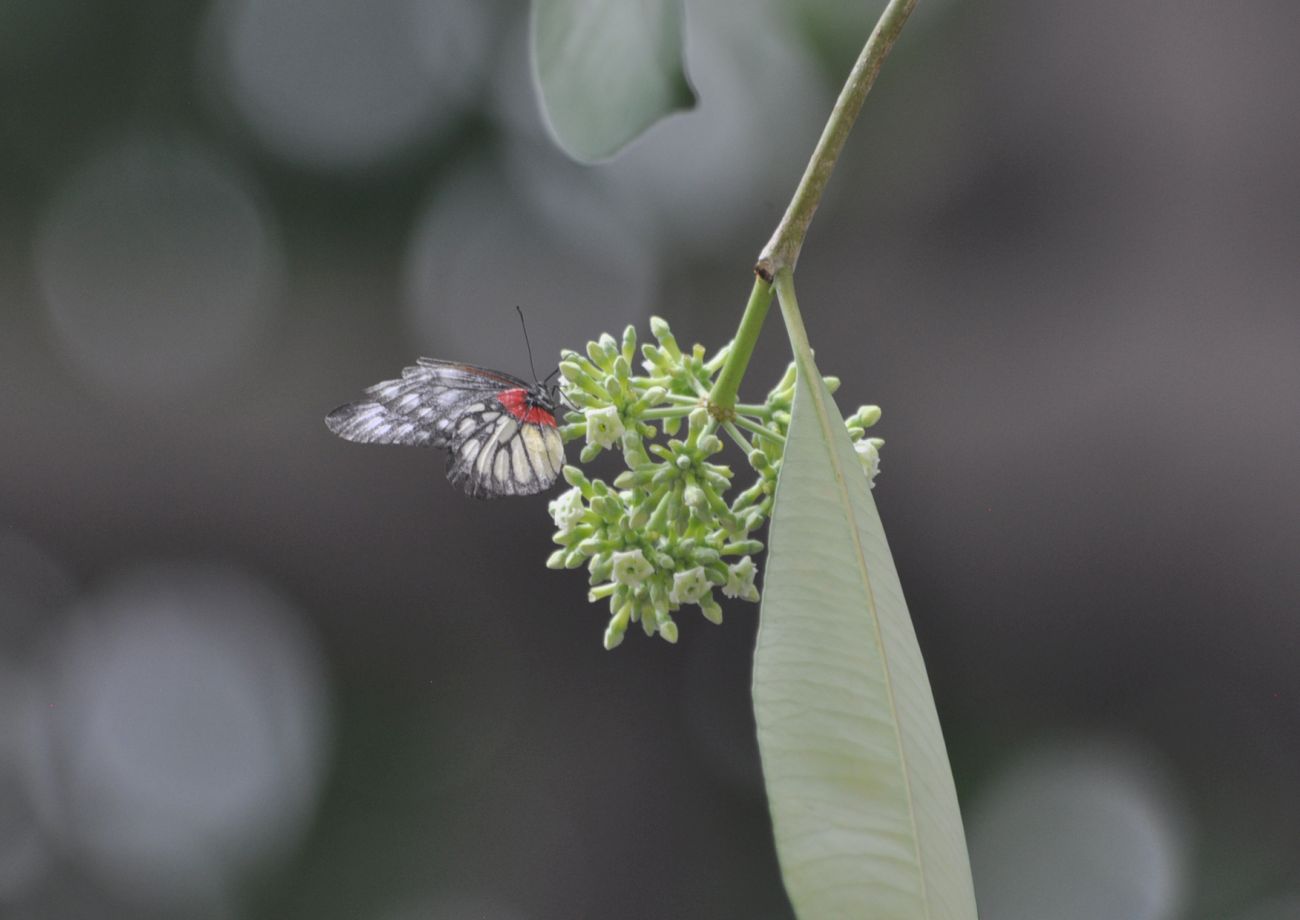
x=664, y=534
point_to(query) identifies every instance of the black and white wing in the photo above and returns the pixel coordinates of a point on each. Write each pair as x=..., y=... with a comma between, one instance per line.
x=422, y=408
x=494, y=453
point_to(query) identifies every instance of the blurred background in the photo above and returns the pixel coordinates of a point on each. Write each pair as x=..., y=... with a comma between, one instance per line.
x=250, y=671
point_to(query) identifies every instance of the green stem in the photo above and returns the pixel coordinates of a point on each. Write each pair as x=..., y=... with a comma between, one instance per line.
x=680, y=400
x=755, y=427
x=723, y=396
x=654, y=415
x=782, y=251
x=738, y=436
x=784, y=285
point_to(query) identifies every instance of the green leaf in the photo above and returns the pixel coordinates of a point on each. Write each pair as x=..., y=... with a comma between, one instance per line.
x=607, y=70
x=862, y=798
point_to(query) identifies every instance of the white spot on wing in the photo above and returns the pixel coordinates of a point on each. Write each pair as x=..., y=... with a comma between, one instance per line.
x=555, y=447
x=536, y=446
x=519, y=462
x=484, y=463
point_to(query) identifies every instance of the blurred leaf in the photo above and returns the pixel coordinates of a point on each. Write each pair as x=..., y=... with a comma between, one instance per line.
x=607, y=70
x=861, y=793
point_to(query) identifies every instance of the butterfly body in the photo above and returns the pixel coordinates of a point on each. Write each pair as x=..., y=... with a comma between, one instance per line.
x=500, y=432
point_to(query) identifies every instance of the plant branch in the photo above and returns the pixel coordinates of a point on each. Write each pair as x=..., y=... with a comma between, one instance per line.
x=722, y=399
x=782, y=251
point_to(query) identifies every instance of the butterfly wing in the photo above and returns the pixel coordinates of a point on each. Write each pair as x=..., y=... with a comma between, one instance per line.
x=421, y=408
x=493, y=453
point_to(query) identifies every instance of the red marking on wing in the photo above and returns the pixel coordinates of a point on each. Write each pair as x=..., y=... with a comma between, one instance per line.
x=516, y=403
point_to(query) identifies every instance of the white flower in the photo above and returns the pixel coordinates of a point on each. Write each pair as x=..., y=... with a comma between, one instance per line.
x=604, y=427
x=567, y=510
x=740, y=580
x=631, y=567
x=869, y=453
x=689, y=586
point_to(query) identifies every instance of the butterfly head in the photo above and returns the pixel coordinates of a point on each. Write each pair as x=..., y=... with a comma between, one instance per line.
x=550, y=391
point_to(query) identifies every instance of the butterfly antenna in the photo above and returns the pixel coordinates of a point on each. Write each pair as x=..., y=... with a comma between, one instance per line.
x=527, y=344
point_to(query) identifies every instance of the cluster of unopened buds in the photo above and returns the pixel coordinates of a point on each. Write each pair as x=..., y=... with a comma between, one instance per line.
x=664, y=533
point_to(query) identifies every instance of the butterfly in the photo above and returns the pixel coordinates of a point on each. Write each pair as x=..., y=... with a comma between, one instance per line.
x=500, y=432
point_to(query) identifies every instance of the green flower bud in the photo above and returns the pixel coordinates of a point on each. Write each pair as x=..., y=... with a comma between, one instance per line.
x=639, y=518
x=711, y=609
x=653, y=396
x=653, y=358
x=710, y=444
x=668, y=631
x=575, y=477
x=659, y=328
x=697, y=422
x=705, y=555
x=581, y=379
x=866, y=416
x=600, y=568
x=657, y=589
x=617, y=626
x=571, y=432
x=584, y=400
